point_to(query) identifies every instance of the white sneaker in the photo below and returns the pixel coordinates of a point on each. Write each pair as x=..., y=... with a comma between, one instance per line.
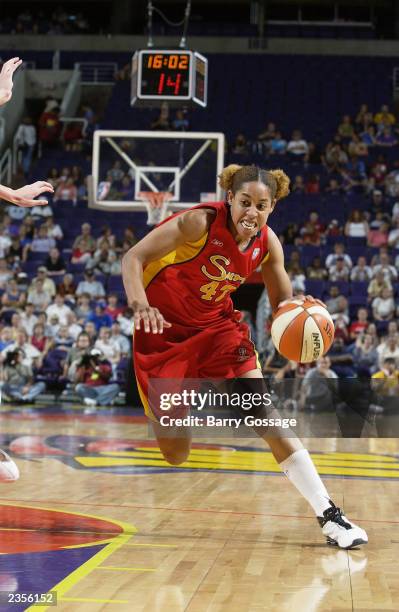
x=9, y=471
x=339, y=531
x=90, y=402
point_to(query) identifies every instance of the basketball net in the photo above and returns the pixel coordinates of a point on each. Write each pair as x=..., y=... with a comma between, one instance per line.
x=157, y=205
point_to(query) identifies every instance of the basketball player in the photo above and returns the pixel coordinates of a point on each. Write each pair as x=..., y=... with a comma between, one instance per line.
x=178, y=280
x=21, y=197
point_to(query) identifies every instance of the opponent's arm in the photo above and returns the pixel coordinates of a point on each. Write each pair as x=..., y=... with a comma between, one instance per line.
x=6, y=75
x=24, y=196
x=274, y=274
x=187, y=227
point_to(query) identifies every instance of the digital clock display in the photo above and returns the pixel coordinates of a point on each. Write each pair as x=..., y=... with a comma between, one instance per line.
x=166, y=74
x=171, y=75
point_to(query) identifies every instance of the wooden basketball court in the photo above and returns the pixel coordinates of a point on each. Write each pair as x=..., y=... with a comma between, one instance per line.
x=98, y=519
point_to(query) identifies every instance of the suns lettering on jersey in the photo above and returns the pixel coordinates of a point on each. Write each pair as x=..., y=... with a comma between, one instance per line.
x=210, y=291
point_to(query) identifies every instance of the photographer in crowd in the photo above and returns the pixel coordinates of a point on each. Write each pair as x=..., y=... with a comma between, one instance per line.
x=18, y=379
x=92, y=377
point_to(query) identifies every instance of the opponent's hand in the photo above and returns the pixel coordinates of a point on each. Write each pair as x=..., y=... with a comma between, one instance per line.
x=6, y=75
x=302, y=298
x=153, y=320
x=24, y=196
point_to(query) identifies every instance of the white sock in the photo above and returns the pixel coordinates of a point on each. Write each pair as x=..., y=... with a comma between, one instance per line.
x=300, y=470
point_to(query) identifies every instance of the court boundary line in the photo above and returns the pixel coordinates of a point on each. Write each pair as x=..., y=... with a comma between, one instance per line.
x=81, y=572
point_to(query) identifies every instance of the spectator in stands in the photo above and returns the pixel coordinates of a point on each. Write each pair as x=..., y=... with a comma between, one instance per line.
x=5, y=242
x=359, y=326
x=390, y=273
x=72, y=136
x=384, y=117
x=180, y=123
x=378, y=172
x=66, y=191
x=60, y=309
x=346, y=129
x=31, y=356
x=333, y=187
x=5, y=272
x=337, y=304
x=83, y=308
x=83, y=246
x=356, y=226
x=40, y=244
x=92, y=378
x=13, y=297
x=310, y=234
x=15, y=252
x=126, y=190
x=319, y=388
x=358, y=147
x=377, y=285
x=365, y=354
x=40, y=341
x=6, y=338
x=341, y=327
x=73, y=326
x=278, y=145
x=316, y=270
x=25, y=138
x=240, y=146
x=341, y=358
x=361, y=272
x=48, y=283
x=126, y=321
x=386, y=138
x=63, y=338
x=389, y=349
x=368, y=137
x=339, y=271
x=393, y=236
x=99, y=317
x=385, y=384
x=294, y=262
x=53, y=229
x=363, y=110
x=91, y=286
x=107, y=238
x=75, y=354
x=335, y=157
x=297, y=278
x=339, y=251
x=162, y=122
x=49, y=124
x=383, y=306
x=108, y=348
x=129, y=236
x=28, y=318
x=112, y=308
x=378, y=234
x=333, y=230
x=18, y=379
x=120, y=340
x=116, y=173
x=91, y=331
x=67, y=287
x=264, y=138
x=55, y=264
x=297, y=147
x=312, y=185
x=290, y=234
x=53, y=177
x=38, y=296
x=298, y=186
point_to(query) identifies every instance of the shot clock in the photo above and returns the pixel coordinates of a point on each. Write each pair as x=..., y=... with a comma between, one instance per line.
x=173, y=75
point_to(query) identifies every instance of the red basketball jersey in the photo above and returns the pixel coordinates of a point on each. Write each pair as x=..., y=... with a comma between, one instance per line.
x=192, y=285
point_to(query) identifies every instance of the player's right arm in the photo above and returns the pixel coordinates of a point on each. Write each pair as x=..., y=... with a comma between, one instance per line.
x=190, y=226
x=24, y=196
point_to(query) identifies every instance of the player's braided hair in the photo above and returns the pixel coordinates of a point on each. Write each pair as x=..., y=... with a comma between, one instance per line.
x=234, y=176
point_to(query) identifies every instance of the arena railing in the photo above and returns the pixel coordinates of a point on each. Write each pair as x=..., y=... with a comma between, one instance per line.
x=97, y=73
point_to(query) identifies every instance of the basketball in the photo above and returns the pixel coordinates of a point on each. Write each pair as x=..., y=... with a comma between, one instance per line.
x=302, y=331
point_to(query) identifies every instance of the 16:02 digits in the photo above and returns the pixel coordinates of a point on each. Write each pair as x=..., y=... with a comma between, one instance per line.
x=172, y=61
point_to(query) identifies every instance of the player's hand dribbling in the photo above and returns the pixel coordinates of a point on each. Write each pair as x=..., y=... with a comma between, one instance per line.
x=302, y=298
x=153, y=320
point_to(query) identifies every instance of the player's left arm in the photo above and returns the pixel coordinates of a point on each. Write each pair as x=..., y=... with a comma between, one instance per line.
x=274, y=274
x=24, y=196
